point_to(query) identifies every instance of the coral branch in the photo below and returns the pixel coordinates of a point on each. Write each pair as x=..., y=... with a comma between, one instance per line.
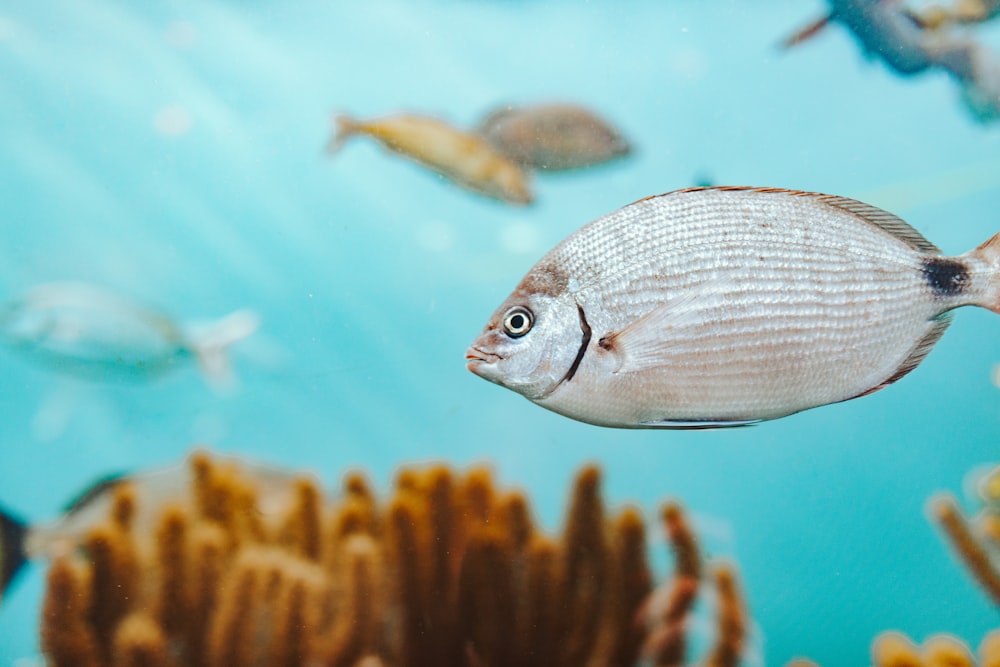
x=968, y=548
x=67, y=636
x=140, y=642
x=172, y=562
x=669, y=643
x=731, y=621
x=635, y=582
x=892, y=649
x=355, y=630
x=947, y=651
x=583, y=577
x=989, y=650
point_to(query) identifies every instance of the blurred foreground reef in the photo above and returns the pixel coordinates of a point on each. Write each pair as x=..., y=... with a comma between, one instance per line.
x=913, y=41
x=976, y=542
x=449, y=570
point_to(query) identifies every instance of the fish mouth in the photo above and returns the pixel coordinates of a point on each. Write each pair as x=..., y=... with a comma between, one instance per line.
x=476, y=357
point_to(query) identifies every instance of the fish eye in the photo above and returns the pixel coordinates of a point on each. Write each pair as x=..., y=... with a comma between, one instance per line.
x=517, y=321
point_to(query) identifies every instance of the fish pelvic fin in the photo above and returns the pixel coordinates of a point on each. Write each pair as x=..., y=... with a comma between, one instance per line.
x=699, y=424
x=344, y=127
x=989, y=254
x=211, y=346
x=12, y=554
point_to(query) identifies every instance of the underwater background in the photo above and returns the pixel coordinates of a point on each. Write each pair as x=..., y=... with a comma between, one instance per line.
x=173, y=153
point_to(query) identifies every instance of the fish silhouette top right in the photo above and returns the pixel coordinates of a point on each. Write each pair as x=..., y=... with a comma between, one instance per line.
x=727, y=306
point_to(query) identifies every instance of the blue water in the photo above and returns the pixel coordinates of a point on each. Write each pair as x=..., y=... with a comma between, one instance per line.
x=172, y=152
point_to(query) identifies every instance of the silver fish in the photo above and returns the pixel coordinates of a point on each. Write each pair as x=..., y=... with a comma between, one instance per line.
x=727, y=306
x=154, y=489
x=553, y=137
x=92, y=332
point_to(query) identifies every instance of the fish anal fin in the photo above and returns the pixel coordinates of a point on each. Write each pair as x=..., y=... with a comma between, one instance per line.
x=917, y=354
x=696, y=424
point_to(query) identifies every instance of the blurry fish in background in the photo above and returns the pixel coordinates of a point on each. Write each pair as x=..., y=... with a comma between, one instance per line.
x=911, y=42
x=465, y=158
x=727, y=306
x=553, y=137
x=962, y=12
x=91, y=332
x=153, y=490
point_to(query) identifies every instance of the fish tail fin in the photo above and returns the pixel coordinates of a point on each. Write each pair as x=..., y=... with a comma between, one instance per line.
x=344, y=127
x=12, y=554
x=806, y=32
x=211, y=346
x=989, y=253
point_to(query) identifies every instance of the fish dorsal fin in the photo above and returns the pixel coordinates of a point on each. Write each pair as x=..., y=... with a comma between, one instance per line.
x=96, y=489
x=889, y=223
x=886, y=221
x=648, y=341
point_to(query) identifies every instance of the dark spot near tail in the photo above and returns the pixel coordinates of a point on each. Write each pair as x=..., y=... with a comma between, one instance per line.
x=947, y=277
x=607, y=342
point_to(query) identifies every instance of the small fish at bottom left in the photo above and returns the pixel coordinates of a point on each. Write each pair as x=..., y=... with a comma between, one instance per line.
x=89, y=331
x=150, y=492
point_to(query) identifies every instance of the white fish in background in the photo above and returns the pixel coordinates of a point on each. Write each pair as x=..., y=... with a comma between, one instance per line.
x=727, y=306
x=88, y=331
x=467, y=159
x=154, y=489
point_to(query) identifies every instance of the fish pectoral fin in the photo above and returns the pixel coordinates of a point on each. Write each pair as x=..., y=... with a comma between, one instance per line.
x=655, y=337
x=693, y=424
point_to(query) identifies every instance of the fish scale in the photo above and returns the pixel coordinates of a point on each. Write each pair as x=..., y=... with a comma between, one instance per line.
x=725, y=306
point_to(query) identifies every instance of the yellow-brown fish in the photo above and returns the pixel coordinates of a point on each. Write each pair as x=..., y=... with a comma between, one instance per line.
x=553, y=136
x=465, y=158
x=727, y=306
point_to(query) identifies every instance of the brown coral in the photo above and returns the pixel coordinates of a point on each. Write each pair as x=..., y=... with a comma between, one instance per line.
x=451, y=570
x=974, y=549
x=974, y=541
x=911, y=42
